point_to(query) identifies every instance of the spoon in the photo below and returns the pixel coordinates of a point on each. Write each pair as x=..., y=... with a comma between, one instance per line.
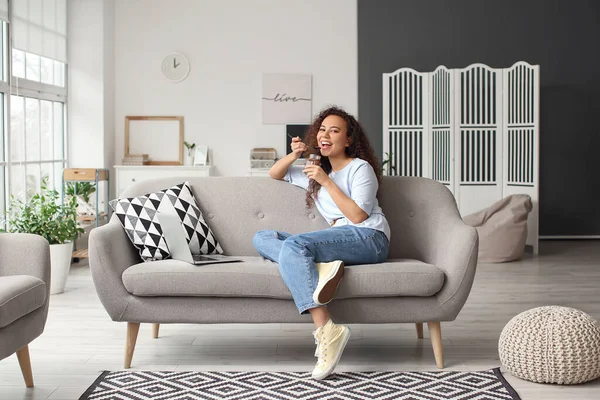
x=314, y=147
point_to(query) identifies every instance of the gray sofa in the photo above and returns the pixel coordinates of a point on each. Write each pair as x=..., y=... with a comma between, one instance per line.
x=24, y=295
x=432, y=261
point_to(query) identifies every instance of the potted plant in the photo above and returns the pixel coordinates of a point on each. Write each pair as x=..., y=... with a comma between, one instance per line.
x=83, y=189
x=43, y=214
x=190, y=151
x=391, y=169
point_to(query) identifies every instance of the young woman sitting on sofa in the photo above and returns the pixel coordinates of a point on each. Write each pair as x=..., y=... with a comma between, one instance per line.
x=344, y=188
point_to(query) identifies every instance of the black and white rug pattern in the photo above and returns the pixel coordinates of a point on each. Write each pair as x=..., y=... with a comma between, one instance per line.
x=176, y=385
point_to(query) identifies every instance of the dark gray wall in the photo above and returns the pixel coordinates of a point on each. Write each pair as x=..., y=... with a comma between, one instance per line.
x=562, y=36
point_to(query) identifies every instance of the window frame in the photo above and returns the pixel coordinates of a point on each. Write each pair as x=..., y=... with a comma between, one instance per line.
x=5, y=110
x=17, y=86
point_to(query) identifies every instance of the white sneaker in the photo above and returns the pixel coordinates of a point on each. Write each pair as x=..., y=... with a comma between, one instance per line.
x=331, y=339
x=330, y=275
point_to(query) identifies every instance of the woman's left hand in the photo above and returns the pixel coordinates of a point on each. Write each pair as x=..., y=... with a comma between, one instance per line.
x=316, y=172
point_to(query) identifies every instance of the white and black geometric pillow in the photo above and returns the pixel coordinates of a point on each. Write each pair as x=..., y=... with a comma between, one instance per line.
x=139, y=218
x=197, y=232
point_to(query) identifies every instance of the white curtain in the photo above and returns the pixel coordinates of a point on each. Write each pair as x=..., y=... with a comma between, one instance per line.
x=4, y=10
x=40, y=27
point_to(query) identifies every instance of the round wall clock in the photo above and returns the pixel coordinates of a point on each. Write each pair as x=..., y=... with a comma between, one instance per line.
x=176, y=67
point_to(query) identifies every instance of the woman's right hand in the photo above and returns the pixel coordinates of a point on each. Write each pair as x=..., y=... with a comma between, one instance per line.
x=298, y=147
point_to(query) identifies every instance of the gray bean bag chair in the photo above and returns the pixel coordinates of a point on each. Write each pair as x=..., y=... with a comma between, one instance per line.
x=502, y=228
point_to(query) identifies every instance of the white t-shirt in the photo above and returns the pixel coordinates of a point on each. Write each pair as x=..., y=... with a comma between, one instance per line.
x=358, y=181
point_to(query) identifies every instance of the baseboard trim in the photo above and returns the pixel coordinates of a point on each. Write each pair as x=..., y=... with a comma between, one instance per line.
x=562, y=237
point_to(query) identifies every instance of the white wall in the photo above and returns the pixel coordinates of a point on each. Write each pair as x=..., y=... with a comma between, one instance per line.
x=91, y=85
x=230, y=43
x=86, y=84
x=109, y=83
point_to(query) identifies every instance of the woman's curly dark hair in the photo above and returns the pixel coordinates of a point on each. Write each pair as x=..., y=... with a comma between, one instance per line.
x=359, y=147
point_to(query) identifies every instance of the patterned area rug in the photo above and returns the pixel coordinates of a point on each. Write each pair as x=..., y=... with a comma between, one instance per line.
x=175, y=385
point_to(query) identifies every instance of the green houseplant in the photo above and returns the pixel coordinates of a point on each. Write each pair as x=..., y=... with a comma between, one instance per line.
x=391, y=169
x=190, y=152
x=43, y=214
x=190, y=147
x=83, y=189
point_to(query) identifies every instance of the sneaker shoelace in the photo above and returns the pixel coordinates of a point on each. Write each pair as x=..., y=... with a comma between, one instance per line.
x=321, y=350
x=322, y=345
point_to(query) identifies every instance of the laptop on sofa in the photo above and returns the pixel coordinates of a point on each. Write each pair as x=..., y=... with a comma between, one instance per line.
x=178, y=245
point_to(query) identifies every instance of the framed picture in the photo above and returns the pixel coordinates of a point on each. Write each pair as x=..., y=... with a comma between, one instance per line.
x=286, y=98
x=161, y=138
x=201, y=156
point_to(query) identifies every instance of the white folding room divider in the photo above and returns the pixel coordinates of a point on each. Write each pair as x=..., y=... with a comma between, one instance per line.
x=442, y=127
x=522, y=138
x=407, y=120
x=475, y=129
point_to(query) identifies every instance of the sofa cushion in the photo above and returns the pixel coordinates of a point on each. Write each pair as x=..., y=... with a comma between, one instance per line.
x=257, y=277
x=20, y=295
x=139, y=218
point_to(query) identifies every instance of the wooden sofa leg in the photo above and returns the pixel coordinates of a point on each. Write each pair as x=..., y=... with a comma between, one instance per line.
x=435, y=332
x=419, y=330
x=132, y=332
x=155, y=328
x=25, y=363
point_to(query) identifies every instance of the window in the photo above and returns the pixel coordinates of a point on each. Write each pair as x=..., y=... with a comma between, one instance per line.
x=4, y=90
x=32, y=97
x=37, y=146
x=38, y=69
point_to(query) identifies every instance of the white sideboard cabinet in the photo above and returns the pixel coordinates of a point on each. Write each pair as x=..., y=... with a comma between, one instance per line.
x=127, y=175
x=259, y=172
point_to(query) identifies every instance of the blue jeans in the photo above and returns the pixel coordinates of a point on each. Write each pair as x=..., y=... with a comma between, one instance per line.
x=297, y=255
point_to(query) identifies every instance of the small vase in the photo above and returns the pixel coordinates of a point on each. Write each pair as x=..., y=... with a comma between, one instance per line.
x=188, y=160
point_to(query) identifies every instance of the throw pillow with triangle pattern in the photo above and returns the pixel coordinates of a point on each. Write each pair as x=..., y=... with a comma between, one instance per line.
x=197, y=232
x=139, y=218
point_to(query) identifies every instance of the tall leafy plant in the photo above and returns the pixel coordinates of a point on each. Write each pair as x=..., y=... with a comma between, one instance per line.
x=43, y=214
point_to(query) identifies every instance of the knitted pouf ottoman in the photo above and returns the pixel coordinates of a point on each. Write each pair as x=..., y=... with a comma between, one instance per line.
x=552, y=345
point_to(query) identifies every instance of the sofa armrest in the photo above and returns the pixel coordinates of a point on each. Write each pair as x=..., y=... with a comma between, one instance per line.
x=455, y=251
x=448, y=243
x=25, y=254
x=427, y=226
x=110, y=254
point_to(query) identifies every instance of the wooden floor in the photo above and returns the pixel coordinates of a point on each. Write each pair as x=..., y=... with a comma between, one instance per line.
x=80, y=340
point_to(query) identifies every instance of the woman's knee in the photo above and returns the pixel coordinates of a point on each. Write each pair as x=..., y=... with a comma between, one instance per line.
x=260, y=236
x=295, y=244
x=291, y=255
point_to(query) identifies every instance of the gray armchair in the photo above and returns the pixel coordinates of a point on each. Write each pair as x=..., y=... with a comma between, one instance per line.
x=24, y=295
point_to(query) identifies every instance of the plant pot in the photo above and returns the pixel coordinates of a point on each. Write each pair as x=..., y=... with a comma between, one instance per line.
x=60, y=263
x=188, y=159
